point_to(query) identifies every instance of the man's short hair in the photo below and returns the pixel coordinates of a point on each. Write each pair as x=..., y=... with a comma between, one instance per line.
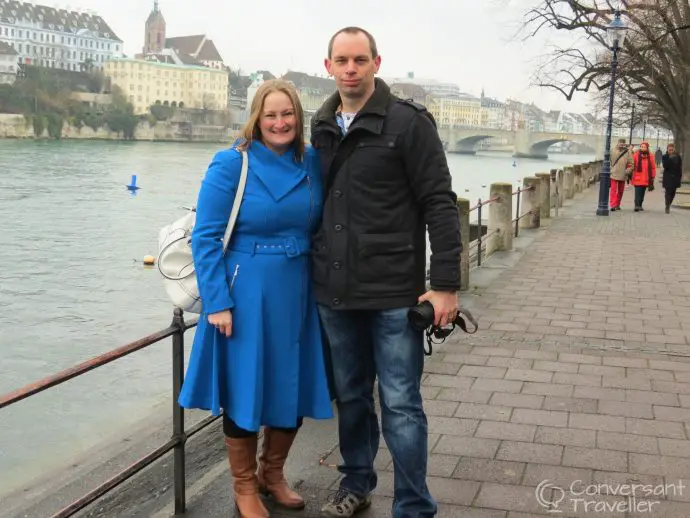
x=354, y=30
x=622, y=141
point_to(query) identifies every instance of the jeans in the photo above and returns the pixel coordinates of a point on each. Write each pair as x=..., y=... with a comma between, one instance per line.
x=640, y=191
x=365, y=345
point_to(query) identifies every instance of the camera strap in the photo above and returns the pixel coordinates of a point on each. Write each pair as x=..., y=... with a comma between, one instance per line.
x=441, y=333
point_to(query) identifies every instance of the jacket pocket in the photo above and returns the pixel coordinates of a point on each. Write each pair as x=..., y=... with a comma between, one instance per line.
x=387, y=259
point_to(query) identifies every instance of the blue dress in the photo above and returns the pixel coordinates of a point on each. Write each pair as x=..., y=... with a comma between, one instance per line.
x=271, y=370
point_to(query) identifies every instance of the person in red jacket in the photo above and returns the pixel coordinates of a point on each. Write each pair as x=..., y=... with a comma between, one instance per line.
x=643, y=174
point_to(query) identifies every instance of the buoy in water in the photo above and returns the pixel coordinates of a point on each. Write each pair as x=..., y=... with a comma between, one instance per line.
x=133, y=184
x=149, y=260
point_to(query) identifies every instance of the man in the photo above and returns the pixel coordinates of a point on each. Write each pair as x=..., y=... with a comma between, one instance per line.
x=658, y=156
x=621, y=167
x=386, y=179
x=673, y=174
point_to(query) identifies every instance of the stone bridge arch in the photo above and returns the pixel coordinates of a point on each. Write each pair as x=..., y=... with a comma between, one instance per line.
x=536, y=145
x=468, y=145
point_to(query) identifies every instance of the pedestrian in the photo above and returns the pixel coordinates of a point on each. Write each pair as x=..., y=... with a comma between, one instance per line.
x=386, y=180
x=621, y=166
x=257, y=356
x=673, y=174
x=658, y=156
x=643, y=174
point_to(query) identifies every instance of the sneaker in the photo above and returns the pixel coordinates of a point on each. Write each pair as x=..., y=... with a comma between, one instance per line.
x=668, y=209
x=345, y=504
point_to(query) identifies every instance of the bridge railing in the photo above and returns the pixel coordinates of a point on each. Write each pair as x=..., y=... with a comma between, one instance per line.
x=510, y=210
x=179, y=435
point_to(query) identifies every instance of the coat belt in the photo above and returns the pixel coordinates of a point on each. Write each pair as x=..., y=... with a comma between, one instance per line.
x=292, y=246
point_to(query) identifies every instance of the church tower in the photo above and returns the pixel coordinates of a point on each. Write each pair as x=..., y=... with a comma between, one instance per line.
x=154, y=39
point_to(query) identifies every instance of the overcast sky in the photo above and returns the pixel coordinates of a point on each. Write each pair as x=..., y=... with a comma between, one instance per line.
x=469, y=42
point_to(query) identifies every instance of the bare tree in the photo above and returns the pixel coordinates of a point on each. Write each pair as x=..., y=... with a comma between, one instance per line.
x=654, y=63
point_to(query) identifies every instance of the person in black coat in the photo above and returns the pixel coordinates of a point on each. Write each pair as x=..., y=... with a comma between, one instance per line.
x=673, y=172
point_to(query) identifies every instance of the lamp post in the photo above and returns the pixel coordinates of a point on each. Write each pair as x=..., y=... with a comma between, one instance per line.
x=644, y=128
x=615, y=32
x=632, y=122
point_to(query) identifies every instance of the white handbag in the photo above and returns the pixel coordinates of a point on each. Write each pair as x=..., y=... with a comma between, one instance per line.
x=175, y=262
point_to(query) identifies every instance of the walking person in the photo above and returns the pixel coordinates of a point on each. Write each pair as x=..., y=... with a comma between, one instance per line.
x=257, y=356
x=386, y=180
x=658, y=157
x=673, y=174
x=621, y=166
x=643, y=174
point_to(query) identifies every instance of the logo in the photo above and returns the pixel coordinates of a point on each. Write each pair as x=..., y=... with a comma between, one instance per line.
x=551, y=501
x=610, y=498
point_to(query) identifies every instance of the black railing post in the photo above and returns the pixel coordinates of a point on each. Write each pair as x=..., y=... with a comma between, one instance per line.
x=479, y=232
x=517, y=213
x=178, y=412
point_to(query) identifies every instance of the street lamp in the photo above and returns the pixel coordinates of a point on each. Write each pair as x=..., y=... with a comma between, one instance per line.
x=615, y=32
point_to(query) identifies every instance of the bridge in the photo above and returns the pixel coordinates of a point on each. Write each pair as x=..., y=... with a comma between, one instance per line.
x=525, y=144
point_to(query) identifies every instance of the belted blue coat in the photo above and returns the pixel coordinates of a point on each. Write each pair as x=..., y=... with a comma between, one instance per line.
x=271, y=370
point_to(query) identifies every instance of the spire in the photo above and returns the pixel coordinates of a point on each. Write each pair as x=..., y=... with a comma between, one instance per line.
x=155, y=6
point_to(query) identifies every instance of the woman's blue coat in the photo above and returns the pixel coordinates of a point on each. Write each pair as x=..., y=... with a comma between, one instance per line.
x=271, y=370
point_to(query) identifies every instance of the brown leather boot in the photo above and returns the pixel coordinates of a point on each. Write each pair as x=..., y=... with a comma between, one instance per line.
x=275, y=450
x=242, y=457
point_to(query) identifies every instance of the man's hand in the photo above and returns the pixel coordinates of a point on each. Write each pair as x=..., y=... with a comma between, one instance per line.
x=445, y=306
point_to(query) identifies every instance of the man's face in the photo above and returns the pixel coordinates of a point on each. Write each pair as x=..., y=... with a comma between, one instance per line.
x=352, y=65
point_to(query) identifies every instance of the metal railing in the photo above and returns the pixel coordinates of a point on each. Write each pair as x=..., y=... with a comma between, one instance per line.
x=179, y=436
x=478, y=207
x=518, y=216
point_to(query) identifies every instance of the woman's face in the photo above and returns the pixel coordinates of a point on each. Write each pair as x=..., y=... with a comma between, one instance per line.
x=278, y=122
x=644, y=148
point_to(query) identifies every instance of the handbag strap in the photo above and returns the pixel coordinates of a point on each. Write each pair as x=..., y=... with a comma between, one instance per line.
x=237, y=202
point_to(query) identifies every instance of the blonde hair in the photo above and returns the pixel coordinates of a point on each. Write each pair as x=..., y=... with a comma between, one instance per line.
x=251, y=130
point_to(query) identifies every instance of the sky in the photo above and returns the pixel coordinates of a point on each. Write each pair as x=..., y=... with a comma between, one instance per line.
x=472, y=43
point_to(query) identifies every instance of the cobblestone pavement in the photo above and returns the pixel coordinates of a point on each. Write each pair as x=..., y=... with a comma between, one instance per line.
x=581, y=373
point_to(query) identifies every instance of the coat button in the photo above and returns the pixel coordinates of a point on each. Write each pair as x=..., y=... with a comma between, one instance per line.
x=337, y=265
x=338, y=228
x=336, y=301
x=338, y=193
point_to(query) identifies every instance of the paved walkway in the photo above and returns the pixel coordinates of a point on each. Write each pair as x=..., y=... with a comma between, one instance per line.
x=581, y=373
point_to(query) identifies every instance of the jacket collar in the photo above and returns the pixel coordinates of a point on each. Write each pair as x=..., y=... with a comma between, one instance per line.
x=370, y=117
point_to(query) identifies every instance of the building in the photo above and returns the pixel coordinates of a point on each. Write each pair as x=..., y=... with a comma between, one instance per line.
x=199, y=47
x=312, y=90
x=8, y=64
x=455, y=110
x=57, y=38
x=169, y=79
x=431, y=86
x=493, y=112
x=410, y=91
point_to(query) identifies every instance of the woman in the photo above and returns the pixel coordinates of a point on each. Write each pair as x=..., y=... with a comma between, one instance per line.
x=673, y=174
x=257, y=353
x=643, y=174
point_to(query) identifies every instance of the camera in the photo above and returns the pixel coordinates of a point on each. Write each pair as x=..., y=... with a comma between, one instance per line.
x=422, y=316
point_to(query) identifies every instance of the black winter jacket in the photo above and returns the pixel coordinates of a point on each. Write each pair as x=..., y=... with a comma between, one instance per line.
x=673, y=171
x=386, y=181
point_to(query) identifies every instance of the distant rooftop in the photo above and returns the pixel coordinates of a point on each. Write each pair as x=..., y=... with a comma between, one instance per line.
x=50, y=18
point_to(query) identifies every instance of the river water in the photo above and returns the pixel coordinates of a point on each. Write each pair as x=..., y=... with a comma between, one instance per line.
x=72, y=285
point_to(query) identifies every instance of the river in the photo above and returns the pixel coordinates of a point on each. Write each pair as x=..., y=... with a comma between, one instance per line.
x=72, y=285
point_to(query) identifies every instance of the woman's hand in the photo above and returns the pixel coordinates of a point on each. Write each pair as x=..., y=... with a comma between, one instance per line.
x=222, y=321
